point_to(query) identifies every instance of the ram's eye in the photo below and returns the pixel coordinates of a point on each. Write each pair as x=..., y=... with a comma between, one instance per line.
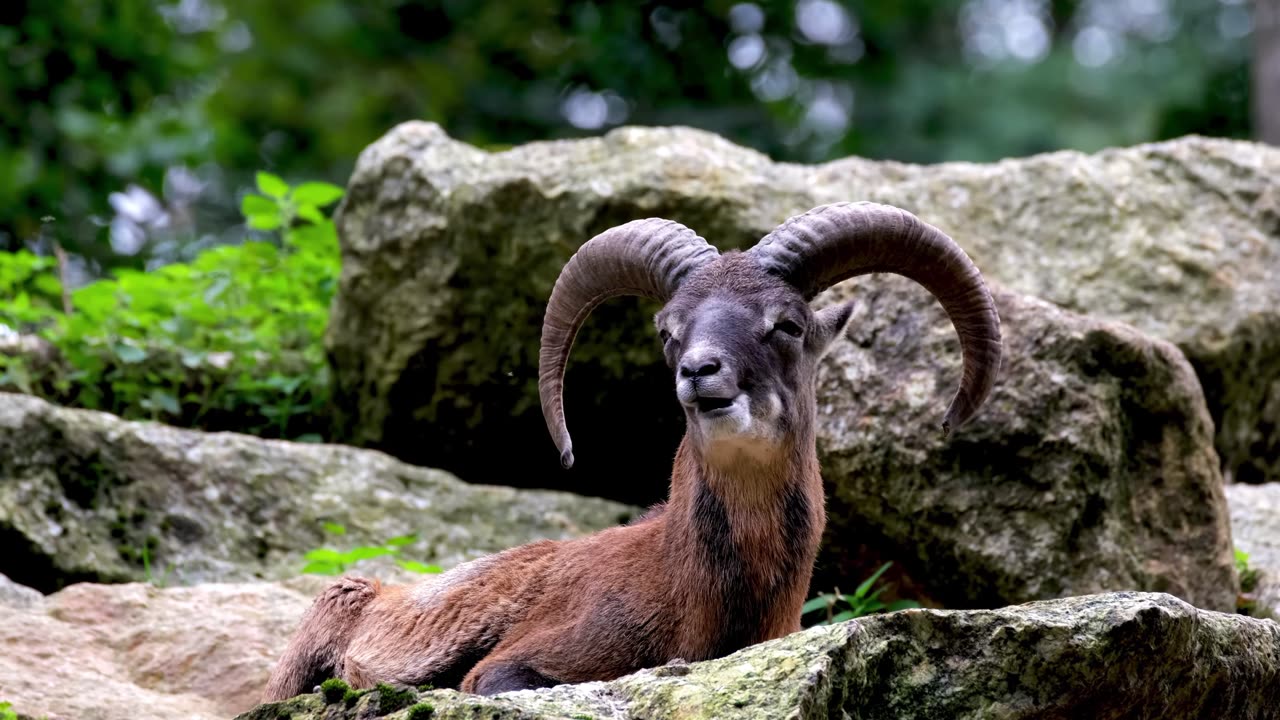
x=788, y=327
x=664, y=335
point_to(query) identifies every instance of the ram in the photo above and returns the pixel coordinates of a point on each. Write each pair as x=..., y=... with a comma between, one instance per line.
x=726, y=561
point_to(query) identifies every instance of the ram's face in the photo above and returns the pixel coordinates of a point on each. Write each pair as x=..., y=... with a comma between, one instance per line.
x=744, y=348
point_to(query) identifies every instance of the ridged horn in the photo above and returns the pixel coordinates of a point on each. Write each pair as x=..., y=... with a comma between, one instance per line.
x=648, y=257
x=831, y=243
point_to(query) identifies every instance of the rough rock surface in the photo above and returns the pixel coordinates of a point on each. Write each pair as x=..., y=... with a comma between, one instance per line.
x=1091, y=468
x=82, y=492
x=137, y=652
x=449, y=254
x=1255, y=527
x=1102, y=656
x=16, y=596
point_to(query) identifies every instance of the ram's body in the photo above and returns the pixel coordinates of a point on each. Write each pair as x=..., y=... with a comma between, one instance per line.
x=726, y=562
x=673, y=585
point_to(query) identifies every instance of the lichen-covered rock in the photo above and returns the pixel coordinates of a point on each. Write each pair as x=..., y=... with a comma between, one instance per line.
x=1255, y=527
x=1100, y=656
x=1091, y=467
x=82, y=492
x=137, y=652
x=449, y=254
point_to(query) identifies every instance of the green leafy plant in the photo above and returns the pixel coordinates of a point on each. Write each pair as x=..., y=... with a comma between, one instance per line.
x=327, y=561
x=837, y=607
x=1246, y=601
x=1248, y=576
x=7, y=712
x=230, y=341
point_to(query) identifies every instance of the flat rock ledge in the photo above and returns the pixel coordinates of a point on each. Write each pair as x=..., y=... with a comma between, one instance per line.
x=82, y=493
x=1098, y=656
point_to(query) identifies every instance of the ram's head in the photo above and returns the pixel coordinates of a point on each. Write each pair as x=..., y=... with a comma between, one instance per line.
x=737, y=330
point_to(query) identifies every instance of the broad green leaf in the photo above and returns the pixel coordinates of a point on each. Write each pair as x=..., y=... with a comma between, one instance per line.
x=320, y=567
x=819, y=603
x=251, y=205
x=324, y=555
x=402, y=540
x=48, y=284
x=902, y=605
x=310, y=214
x=166, y=401
x=367, y=552
x=866, y=584
x=263, y=222
x=129, y=353
x=271, y=185
x=841, y=617
x=316, y=193
x=866, y=608
x=335, y=528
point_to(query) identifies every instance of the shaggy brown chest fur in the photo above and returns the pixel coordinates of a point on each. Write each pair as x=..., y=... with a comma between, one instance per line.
x=741, y=543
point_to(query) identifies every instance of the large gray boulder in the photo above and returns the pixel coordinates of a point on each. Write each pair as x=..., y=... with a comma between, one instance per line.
x=449, y=254
x=82, y=493
x=1091, y=468
x=1102, y=656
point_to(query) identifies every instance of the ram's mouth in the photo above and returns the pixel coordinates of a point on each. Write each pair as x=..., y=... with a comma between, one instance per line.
x=707, y=405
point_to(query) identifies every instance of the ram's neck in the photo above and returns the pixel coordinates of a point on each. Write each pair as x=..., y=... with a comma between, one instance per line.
x=740, y=543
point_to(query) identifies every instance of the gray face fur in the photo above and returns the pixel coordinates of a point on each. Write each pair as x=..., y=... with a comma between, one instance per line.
x=744, y=347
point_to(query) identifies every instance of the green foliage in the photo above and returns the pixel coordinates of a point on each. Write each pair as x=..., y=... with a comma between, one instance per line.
x=837, y=607
x=231, y=340
x=421, y=711
x=391, y=699
x=1246, y=601
x=105, y=93
x=97, y=94
x=1248, y=576
x=333, y=689
x=7, y=712
x=30, y=285
x=327, y=561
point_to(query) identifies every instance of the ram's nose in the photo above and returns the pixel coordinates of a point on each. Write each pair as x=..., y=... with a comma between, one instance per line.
x=699, y=363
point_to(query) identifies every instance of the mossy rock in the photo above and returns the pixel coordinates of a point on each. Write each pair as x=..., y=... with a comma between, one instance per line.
x=1112, y=655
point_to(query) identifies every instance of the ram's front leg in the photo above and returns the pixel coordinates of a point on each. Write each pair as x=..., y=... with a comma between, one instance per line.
x=504, y=673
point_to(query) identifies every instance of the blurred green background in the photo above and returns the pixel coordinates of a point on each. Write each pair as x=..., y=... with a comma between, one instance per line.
x=168, y=168
x=132, y=128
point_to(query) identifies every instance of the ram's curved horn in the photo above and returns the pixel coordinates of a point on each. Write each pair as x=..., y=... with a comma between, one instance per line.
x=644, y=257
x=818, y=249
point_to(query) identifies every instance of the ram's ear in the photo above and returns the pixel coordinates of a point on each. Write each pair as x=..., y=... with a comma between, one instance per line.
x=831, y=321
